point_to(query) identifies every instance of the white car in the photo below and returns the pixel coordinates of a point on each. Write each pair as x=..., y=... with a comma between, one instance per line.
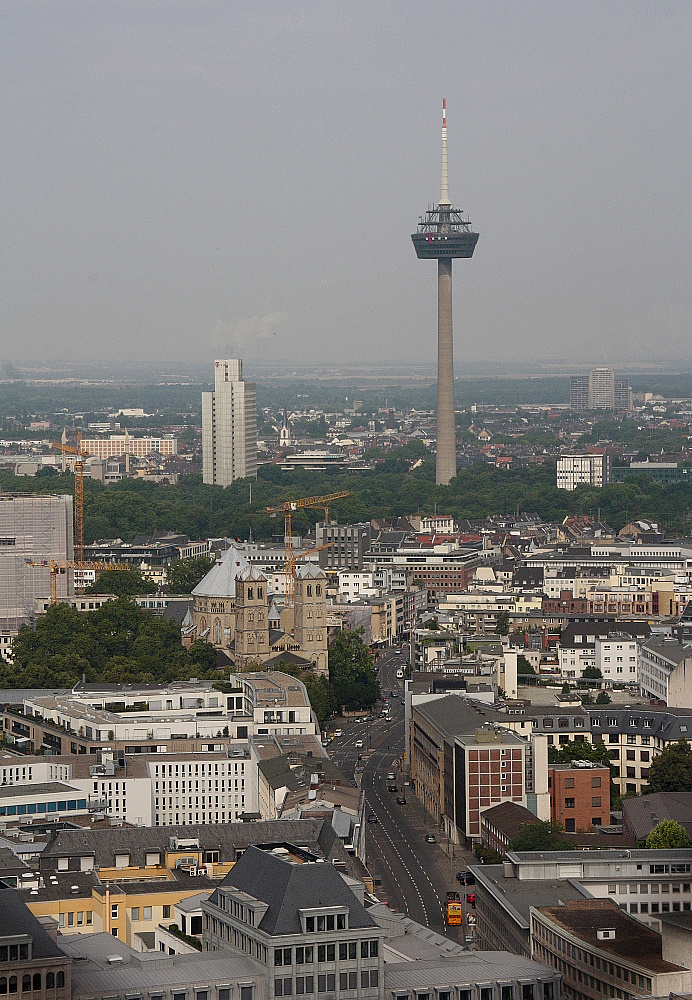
x=359, y=743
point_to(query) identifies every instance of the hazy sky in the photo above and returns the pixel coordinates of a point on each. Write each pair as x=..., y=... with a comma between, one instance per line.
x=200, y=179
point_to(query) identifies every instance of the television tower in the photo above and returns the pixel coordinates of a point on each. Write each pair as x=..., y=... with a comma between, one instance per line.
x=442, y=235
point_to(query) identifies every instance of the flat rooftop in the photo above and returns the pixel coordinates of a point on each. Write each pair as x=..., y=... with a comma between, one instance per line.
x=633, y=940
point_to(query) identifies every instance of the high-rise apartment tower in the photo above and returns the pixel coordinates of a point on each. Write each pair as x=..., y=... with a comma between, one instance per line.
x=229, y=426
x=600, y=390
x=443, y=234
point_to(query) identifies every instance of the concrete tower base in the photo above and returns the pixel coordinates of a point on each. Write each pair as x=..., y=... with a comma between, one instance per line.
x=446, y=467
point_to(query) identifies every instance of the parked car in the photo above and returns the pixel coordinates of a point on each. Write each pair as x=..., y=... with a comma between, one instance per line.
x=470, y=878
x=471, y=899
x=359, y=743
x=401, y=800
x=430, y=838
x=391, y=776
x=453, y=896
x=372, y=818
x=461, y=877
x=392, y=788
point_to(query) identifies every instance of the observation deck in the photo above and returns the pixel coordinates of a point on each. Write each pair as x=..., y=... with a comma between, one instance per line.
x=444, y=232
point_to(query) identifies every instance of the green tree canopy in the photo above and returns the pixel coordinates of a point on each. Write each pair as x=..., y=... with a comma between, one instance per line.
x=121, y=582
x=603, y=698
x=117, y=642
x=592, y=673
x=184, y=575
x=502, y=623
x=579, y=749
x=351, y=672
x=668, y=835
x=544, y=836
x=523, y=665
x=671, y=771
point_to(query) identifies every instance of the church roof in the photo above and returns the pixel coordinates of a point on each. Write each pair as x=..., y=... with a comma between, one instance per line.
x=309, y=570
x=251, y=573
x=220, y=580
x=274, y=613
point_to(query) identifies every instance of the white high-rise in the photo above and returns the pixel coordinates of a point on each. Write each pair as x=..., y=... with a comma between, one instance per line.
x=229, y=426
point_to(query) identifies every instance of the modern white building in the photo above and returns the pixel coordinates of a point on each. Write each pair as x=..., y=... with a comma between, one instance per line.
x=229, y=426
x=662, y=667
x=578, y=470
x=616, y=658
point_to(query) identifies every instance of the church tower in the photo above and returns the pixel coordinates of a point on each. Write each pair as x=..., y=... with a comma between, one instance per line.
x=310, y=621
x=251, y=618
x=285, y=432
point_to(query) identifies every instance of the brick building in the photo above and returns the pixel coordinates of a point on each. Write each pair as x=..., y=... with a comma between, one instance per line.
x=579, y=795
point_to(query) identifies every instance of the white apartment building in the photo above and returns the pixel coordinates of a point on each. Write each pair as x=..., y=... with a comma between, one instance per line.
x=663, y=662
x=616, y=658
x=354, y=586
x=229, y=426
x=578, y=470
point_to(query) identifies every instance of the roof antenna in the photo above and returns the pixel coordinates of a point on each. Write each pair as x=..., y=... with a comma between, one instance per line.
x=444, y=183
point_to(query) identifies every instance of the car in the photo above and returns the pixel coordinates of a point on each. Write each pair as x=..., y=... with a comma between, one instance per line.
x=430, y=838
x=338, y=732
x=470, y=878
x=391, y=776
x=471, y=898
x=372, y=818
x=359, y=743
x=461, y=877
x=392, y=788
x=453, y=896
x=401, y=800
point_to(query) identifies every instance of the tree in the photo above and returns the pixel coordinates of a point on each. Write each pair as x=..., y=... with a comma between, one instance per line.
x=668, y=835
x=566, y=688
x=502, y=623
x=184, y=575
x=603, y=698
x=523, y=665
x=543, y=836
x=121, y=582
x=352, y=676
x=579, y=749
x=671, y=771
x=592, y=673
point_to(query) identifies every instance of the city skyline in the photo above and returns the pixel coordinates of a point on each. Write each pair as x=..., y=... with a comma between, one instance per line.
x=148, y=156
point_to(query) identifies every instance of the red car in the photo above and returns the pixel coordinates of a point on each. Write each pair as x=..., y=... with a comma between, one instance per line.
x=471, y=899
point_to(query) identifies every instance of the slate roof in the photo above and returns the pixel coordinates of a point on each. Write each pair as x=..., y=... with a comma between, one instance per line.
x=641, y=815
x=309, y=571
x=287, y=888
x=220, y=580
x=569, y=638
x=315, y=834
x=17, y=918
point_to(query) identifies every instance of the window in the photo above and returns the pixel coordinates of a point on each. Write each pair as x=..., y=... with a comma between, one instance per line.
x=246, y=992
x=114, y=911
x=167, y=916
x=26, y=983
x=13, y=984
x=569, y=825
x=135, y=913
x=37, y=981
x=486, y=993
x=569, y=782
x=569, y=803
x=595, y=783
x=309, y=925
x=201, y=994
x=50, y=981
x=146, y=913
x=373, y=949
x=507, y=993
x=223, y=993
x=548, y=991
x=364, y=950
x=595, y=800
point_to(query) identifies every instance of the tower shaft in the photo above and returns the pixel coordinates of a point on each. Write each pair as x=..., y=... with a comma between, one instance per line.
x=446, y=466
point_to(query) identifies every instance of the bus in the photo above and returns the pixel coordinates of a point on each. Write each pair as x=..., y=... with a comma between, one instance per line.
x=453, y=913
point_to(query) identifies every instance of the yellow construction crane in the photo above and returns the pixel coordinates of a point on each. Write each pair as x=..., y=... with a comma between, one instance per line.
x=68, y=449
x=288, y=509
x=58, y=569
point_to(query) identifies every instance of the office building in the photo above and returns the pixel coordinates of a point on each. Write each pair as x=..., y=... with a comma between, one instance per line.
x=124, y=444
x=583, y=470
x=229, y=426
x=343, y=545
x=600, y=390
x=443, y=235
x=34, y=531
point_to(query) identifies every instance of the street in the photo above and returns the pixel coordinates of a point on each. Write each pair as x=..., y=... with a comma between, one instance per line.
x=415, y=875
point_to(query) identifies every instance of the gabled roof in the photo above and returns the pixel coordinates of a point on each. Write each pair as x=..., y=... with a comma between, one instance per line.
x=17, y=918
x=309, y=570
x=287, y=888
x=220, y=580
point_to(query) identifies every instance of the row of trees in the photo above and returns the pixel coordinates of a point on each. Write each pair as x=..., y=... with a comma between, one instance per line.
x=181, y=578
x=393, y=488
